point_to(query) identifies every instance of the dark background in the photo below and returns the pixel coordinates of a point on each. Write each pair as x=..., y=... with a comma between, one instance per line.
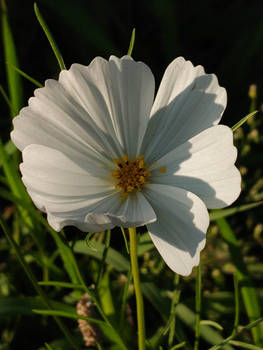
x=225, y=36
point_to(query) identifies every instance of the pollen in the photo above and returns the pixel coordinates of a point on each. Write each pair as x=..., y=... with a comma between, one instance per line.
x=163, y=169
x=131, y=174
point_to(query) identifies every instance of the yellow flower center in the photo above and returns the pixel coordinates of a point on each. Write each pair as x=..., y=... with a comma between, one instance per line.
x=130, y=175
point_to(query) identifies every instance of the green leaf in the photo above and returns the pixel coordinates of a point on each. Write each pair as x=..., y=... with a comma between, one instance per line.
x=61, y=284
x=13, y=306
x=211, y=323
x=10, y=148
x=105, y=296
x=67, y=256
x=243, y=120
x=248, y=292
x=221, y=213
x=7, y=100
x=14, y=81
x=206, y=332
x=46, y=263
x=27, y=269
x=11, y=173
x=178, y=346
x=104, y=256
x=125, y=240
x=161, y=304
x=23, y=74
x=145, y=244
x=50, y=38
x=18, y=189
x=187, y=316
x=125, y=296
x=48, y=347
x=65, y=251
x=244, y=345
x=229, y=339
x=74, y=316
x=114, y=336
x=95, y=249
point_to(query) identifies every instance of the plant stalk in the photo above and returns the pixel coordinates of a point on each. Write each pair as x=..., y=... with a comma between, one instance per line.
x=197, y=306
x=137, y=287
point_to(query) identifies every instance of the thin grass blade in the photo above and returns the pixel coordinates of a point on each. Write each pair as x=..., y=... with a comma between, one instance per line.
x=15, y=86
x=222, y=213
x=74, y=316
x=50, y=37
x=243, y=345
x=132, y=41
x=23, y=74
x=243, y=120
x=61, y=284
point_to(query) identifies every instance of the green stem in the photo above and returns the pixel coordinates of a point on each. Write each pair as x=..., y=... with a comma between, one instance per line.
x=50, y=38
x=137, y=287
x=175, y=301
x=131, y=43
x=197, y=306
x=38, y=289
x=32, y=80
x=104, y=256
x=125, y=296
x=244, y=329
x=236, y=321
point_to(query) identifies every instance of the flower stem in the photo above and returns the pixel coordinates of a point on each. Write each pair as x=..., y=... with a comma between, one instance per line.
x=197, y=306
x=137, y=287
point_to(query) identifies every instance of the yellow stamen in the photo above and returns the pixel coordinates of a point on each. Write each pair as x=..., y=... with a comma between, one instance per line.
x=130, y=175
x=163, y=169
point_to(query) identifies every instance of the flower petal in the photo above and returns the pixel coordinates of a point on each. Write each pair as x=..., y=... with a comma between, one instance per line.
x=188, y=101
x=55, y=119
x=131, y=212
x=122, y=87
x=99, y=109
x=70, y=195
x=111, y=211
x=180, y=229
x=203, y=165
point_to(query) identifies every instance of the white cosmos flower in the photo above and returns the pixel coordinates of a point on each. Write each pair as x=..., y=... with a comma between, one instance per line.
x=99, y=153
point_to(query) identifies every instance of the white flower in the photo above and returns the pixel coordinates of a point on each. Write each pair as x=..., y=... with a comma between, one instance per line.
x=98, y=153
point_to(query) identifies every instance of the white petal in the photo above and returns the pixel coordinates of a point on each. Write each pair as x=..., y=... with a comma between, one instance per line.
x=57, y=223
x=123, y=88
x=107, y=213
x=130, y=212
x=203, y=165
x=188, y=101
x=55, y=119
x=180, y=230
x=59, y=182
x=70, y=195
x=99, y=109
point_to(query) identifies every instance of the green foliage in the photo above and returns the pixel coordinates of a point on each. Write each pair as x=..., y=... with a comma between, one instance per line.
x=15, y=86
